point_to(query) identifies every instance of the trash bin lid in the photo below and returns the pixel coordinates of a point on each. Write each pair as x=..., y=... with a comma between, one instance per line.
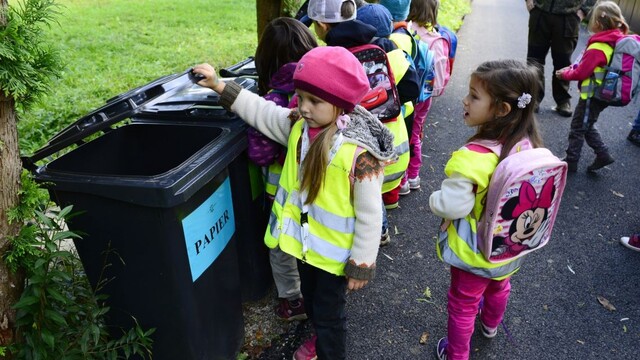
x=194, y=103
x=246, y=67
x=115, y=110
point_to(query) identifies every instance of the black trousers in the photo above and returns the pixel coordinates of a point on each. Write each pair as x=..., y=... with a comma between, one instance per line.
x=324, y=301
x=578, y=134
x=560, y=34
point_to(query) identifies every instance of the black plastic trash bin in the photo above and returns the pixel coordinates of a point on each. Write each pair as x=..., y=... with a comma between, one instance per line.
x=165, y=204
x=194, y=104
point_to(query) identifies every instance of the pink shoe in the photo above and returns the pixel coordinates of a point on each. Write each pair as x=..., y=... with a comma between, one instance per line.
x=632, y=242
x=306, y=351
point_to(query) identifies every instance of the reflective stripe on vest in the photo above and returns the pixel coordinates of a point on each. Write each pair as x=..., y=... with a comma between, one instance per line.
x=394, y=172
x=464, y=253
x=458, y=245
x=331, y=217
x=273, y=177
x=586, y=87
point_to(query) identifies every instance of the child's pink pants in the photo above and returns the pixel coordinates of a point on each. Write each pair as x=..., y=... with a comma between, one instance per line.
x=464, y=296
x=420, y=112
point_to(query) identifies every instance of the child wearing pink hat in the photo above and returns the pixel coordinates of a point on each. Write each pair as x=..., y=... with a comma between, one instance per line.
x=327, y=209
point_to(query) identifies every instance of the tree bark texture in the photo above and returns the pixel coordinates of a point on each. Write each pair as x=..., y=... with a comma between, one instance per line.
x=267, y=10
x=11, y=284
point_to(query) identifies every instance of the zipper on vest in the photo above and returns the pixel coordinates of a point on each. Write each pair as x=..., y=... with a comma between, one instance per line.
x=304, y=233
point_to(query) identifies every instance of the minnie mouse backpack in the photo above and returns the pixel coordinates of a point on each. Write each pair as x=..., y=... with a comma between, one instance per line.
x=522, y=202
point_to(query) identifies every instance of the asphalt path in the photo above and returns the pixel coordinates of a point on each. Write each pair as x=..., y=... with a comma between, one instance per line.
x=553, y=311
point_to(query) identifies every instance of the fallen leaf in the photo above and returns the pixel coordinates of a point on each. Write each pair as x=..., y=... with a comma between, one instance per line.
x=427, y=293
x=617, y=194
x=395, y=228
x=424, y=337
x=580, y=342
x=624, y=328
x=605, y=303
x=545, y=307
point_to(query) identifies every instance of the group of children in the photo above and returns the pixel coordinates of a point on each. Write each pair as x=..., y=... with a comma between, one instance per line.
x=327, y=162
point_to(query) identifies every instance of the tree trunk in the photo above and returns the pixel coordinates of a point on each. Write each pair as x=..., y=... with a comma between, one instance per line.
x=11, y=284
x=267, y=10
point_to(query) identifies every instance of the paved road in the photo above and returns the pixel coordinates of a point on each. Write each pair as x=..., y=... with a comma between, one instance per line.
x=553, y=312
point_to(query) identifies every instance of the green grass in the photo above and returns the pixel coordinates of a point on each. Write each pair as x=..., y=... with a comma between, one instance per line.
x=111, y=46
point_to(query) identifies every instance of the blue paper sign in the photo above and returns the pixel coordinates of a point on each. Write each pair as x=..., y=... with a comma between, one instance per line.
x=208, y=229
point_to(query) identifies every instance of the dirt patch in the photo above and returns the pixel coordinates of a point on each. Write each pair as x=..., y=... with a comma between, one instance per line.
x=267, y=337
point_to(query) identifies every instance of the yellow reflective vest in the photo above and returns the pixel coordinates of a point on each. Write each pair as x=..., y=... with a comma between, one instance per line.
x=394, y=171
x=458, y=244
x=586, y=87
x=330, y=218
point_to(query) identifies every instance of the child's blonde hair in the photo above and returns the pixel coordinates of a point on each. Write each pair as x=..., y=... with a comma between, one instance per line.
x=315, y=163
x=424, y=12
x=509, y=81
x=606, y=15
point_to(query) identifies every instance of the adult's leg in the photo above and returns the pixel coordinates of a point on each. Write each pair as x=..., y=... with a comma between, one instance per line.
x=564, y=39
x=539, y=42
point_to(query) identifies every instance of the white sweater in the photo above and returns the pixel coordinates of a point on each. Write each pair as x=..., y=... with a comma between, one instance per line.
x=275, y=122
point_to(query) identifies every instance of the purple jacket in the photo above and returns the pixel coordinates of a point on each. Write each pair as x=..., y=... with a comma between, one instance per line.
x=262, y=150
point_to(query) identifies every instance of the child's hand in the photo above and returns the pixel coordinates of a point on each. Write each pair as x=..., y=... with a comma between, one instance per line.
x=560, y=72
x=356, y=284
x=529, y=4
x=210, y=77
x=444, y=225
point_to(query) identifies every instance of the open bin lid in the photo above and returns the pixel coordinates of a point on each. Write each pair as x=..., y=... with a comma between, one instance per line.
x=194, y=103
x=115, y=110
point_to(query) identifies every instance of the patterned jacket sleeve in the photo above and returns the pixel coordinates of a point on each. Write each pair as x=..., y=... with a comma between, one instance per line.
x=367, y=200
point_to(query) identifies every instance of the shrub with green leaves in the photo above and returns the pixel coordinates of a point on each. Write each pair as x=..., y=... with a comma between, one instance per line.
x=59, y=315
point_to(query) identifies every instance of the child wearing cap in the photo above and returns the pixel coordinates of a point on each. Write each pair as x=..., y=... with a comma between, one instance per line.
x=327, y=209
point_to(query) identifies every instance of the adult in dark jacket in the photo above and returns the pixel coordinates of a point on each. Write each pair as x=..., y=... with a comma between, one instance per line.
x=555, y=24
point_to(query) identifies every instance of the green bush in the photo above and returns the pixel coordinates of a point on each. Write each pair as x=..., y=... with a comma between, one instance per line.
x=59, y=316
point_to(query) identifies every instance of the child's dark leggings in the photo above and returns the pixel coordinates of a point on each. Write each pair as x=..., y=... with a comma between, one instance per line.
x=324, y=301
x=578, y=134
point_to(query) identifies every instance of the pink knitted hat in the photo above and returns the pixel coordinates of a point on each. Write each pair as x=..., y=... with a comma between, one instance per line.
x=333, y=74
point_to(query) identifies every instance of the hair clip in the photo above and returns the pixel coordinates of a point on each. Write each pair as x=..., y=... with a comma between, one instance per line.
x=342, y=121
x=524, y=100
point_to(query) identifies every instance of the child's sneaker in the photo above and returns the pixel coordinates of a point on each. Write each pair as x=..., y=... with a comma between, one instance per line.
x=488, y=332
x=306, y=351
x=414, y=183
x=385, y=239
x=405, y=189
x=441, y=349
x=291, y=310
x=632, y=242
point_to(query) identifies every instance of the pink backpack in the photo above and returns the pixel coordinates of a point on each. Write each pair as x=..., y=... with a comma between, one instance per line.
x=440, y=48
x=522, y=202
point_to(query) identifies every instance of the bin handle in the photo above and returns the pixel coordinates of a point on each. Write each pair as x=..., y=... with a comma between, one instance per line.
x=232, y=71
